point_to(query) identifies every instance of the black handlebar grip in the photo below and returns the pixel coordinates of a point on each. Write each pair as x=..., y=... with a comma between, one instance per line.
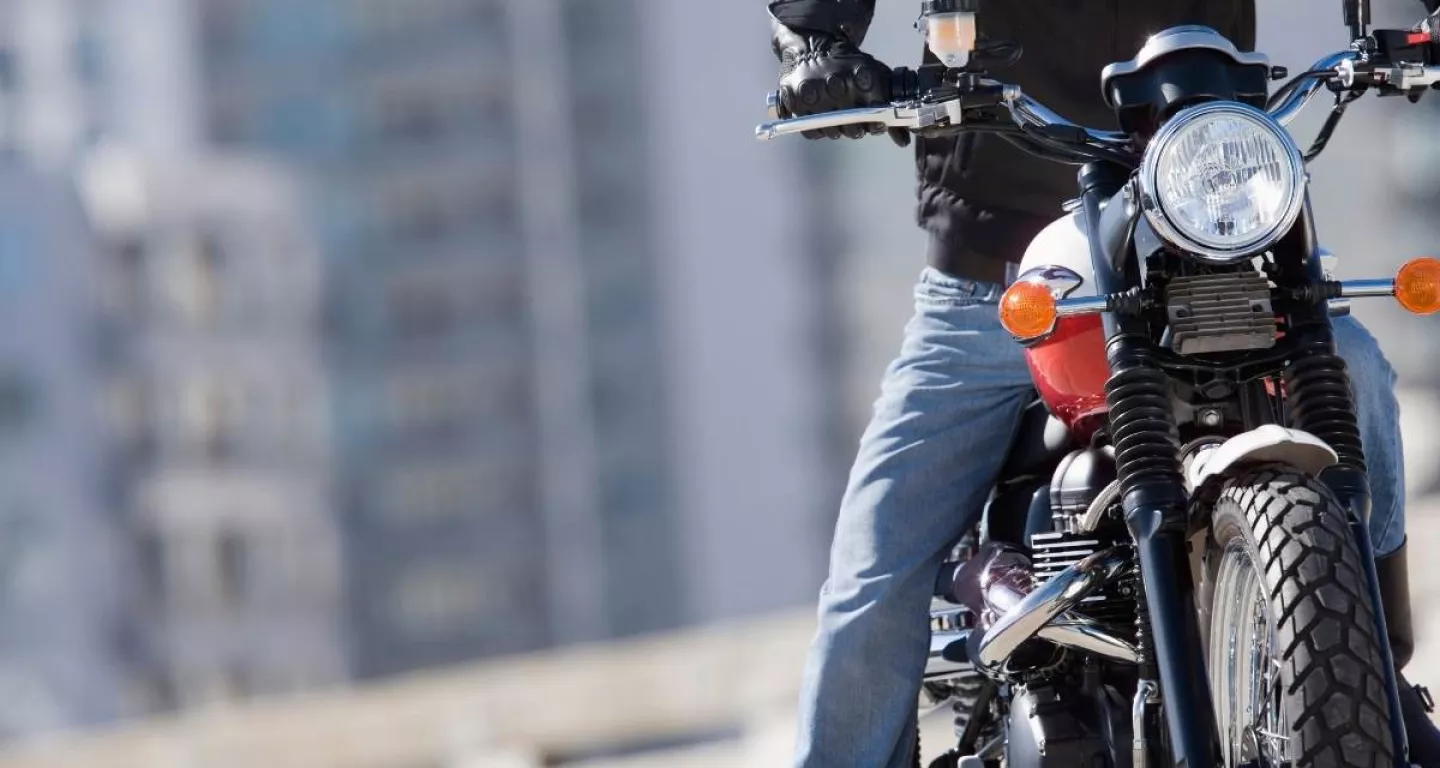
x=904, y=84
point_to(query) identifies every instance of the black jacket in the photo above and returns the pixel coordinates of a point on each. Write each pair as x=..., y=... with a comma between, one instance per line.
x=981, y=199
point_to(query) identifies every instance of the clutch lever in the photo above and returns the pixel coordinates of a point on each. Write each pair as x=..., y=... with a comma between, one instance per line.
x=908, y=115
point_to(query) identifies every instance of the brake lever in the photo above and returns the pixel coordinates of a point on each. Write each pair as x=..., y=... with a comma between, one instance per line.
x=911, y=116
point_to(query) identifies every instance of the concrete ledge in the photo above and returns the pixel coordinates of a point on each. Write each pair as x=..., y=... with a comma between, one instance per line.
x=734, y=683
x=570, y=702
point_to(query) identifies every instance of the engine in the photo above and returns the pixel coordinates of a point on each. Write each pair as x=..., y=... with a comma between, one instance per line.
x=1112, y=606
x=1079, y=480
x=981, y=583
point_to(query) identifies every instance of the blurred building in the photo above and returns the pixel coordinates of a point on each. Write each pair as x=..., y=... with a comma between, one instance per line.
x=571, y=398
x=168, y=478
x=530, y=424
x=217, y=408
x=461, y=362
x=50, y=97
x=60, y=543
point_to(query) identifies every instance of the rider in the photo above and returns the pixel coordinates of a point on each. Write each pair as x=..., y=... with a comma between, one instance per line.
x=927, y=460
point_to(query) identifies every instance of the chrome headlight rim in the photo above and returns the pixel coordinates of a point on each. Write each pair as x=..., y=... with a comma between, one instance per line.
x=1171, y=232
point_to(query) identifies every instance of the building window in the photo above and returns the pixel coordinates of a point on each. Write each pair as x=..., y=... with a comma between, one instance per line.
x=493, y=105
x=498, y=210
x=430, y=399
x=410, y=116
x=419, y=308
x=130, y=418
x=410, y=210
x=89, y=64
x=220, y=28
x=126, y=287
x=414, y=214
x=421, y=401
x=233, y=567
x=439, y=601
x=507, y=397
x=210, y=419
x=445, y=401
x=210, y=265
x=18, y=402
x=154, y=572
x=490, y=14
x=431, y=492
x=385, y=18
x=8, y=70
x=192, y=278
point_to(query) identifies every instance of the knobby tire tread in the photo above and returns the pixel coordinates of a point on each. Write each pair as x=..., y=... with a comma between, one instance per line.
x=1327, y=644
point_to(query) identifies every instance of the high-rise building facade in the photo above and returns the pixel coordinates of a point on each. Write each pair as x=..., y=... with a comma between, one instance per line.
x=464, y=367
x=61, y=659
x=563, y=413
x=217, y=458
x=167, y=477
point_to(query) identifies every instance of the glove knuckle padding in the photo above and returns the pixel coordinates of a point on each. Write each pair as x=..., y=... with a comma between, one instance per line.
x=864, y=78
x=809, y=94
x=821, y=72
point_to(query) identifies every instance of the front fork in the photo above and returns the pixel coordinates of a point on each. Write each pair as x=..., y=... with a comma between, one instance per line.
x=1147, y=457
x=1359, y=525
x=1147, y=453
x=1322, y=403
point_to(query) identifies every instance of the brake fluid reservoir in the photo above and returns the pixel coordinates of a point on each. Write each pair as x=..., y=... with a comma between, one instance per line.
x=949, y=27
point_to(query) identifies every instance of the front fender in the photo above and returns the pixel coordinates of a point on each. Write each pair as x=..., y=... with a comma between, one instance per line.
x=1268, y=444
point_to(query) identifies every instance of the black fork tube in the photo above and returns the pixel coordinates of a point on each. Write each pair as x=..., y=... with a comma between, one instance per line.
x=1361, y=528
x=1147, y=454
x=1322, y=403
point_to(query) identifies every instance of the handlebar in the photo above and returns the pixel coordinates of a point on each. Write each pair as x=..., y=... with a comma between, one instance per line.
x=1347, y=68
x=917, y=115
x=1326, y=69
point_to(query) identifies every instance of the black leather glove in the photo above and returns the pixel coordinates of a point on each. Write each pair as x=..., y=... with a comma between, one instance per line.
x=820, y=72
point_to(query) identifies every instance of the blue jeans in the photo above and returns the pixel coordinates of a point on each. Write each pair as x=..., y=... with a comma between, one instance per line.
x=947, y=409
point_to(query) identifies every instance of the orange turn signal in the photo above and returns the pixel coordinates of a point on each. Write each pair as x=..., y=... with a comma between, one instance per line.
x=1027, y=310
x=1417, y=286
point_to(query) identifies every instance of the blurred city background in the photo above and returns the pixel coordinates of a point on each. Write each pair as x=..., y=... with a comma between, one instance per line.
x=456, y=383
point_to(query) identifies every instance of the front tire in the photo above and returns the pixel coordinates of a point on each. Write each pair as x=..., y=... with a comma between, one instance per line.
x=1295, y=664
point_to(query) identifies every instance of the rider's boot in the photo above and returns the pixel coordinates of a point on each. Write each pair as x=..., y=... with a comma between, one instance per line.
x=1415, y=702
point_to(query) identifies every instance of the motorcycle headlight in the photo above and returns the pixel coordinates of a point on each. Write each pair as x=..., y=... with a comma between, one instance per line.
x=1223, y=181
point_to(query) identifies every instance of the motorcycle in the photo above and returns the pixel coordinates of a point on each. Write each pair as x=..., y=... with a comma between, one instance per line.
x=1174, y=567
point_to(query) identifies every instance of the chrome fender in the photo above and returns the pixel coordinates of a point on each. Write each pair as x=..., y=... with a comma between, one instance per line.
x=1271, y=443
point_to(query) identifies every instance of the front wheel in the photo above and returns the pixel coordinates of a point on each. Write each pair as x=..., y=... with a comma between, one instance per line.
x=1295, y=664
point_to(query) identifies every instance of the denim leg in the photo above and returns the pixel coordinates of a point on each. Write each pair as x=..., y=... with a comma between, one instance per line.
x=1373, y=381
x=948, y=407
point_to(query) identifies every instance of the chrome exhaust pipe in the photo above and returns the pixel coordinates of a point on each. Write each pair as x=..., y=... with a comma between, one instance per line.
x=1083, y=634
x=1037, y=612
